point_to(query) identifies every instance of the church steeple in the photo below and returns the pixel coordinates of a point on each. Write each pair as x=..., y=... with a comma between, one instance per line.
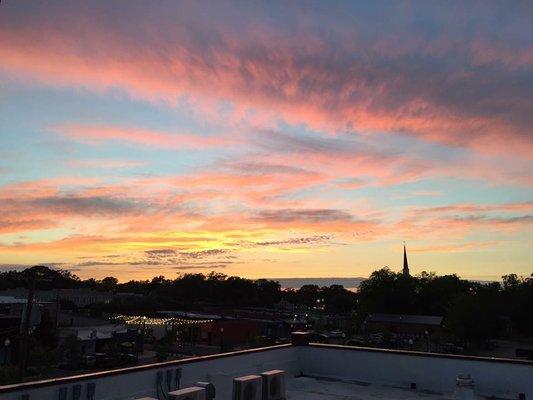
x=405, y=262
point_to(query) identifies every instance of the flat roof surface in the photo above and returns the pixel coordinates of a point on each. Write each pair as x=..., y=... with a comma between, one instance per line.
x=306, y=388
x=405, y=319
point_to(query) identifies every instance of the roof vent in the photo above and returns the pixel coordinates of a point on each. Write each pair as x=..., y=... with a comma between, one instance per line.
x=464, y=387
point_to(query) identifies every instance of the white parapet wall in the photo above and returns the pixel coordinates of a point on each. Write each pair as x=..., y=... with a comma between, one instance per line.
x=138, y=382
x=434, y=372
x=493, y=377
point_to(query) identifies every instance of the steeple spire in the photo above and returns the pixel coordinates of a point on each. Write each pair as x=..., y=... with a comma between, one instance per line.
x=405, y=262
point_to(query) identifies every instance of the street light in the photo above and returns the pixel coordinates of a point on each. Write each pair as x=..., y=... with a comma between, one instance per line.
x=7, y=343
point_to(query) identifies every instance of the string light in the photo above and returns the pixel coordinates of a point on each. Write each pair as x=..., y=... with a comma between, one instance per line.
x=142, y=320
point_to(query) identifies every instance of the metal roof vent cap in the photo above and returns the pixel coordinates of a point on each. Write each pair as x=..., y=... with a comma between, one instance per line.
x=464, y=387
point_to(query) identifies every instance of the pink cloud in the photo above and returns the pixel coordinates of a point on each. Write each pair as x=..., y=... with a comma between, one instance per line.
x=140, y=137
x=476, y=208
x=106, y=163
x=241, y=196
x=458, y=221
x=408, y=84
x=43, y=187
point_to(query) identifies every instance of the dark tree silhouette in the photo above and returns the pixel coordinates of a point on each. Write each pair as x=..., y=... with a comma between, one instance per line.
x=494, y=308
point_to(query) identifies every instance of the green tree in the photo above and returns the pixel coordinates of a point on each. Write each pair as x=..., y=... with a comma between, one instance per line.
x=471, y=320
x=108, y=284
x=70, y=351
x=388, y=292
x=338, y=299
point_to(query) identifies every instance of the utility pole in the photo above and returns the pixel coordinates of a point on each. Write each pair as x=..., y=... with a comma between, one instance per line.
x=57, y=309
x=23, y=356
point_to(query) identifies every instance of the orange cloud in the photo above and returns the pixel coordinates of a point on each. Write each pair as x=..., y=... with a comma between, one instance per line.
x=454, y=247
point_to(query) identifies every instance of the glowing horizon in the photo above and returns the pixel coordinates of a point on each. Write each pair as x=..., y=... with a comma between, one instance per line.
x=266, y=139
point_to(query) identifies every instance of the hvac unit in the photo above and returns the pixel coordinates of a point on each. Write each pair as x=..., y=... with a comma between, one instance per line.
x=210, y=391
x=247, y=388
x=273, y=385
x=190, y=393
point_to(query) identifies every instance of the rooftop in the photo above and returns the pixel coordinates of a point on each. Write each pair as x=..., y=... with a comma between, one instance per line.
x=312, y=371
x=307, y=388
x=95, y=332
x=11, y=300
x=405, y=319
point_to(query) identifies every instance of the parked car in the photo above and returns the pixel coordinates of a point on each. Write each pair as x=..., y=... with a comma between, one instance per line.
x=356, y=342
x=451, y=348
x=88, y=361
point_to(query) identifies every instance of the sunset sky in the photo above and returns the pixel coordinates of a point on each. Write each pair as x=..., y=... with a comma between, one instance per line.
x=266, y=139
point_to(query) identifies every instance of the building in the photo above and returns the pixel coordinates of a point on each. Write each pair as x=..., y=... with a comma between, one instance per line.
x=79, y=297
x=97, y=339
x=239, y=329
x=312, y=371
x=228, y=332
x=12, y=313
x=71, y=318
x=14, y=308
x=414, y=325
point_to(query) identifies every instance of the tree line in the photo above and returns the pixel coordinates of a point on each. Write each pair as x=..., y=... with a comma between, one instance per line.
x=187, y=291
x=473, y=311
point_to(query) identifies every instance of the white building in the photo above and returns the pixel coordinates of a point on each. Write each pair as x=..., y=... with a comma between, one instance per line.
x=80, y=297
x=15, y=308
